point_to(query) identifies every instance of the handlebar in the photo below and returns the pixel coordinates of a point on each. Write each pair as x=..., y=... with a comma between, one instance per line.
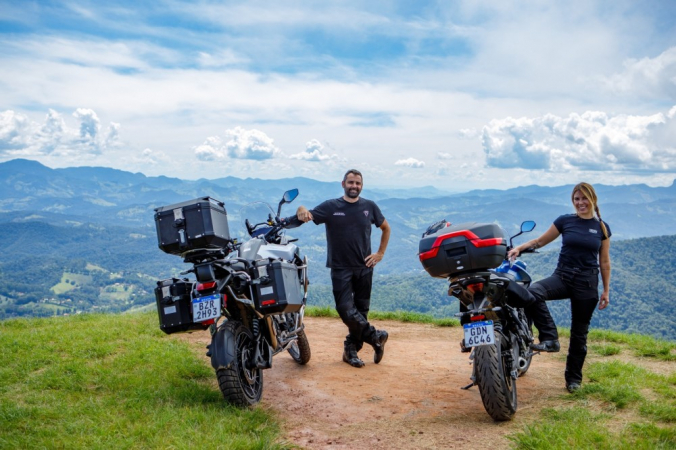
x=291, y=222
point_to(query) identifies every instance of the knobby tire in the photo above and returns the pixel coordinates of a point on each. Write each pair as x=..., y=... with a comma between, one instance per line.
x=300, y=349
x=240, y=386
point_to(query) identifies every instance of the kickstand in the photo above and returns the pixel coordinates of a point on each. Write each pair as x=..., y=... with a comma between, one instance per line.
x=468, y=386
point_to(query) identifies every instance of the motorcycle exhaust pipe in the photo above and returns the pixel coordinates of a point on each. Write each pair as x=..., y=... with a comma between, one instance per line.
x=522, y=363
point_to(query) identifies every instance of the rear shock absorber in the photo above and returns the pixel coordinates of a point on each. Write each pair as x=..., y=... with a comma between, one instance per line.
x=255, y=328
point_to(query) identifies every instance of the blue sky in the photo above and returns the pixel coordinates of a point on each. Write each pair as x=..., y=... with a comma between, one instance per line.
x=459, y=95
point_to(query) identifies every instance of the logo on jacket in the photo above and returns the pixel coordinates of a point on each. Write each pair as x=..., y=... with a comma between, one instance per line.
x=338, y=213
x=593, y=231
x=366, y=213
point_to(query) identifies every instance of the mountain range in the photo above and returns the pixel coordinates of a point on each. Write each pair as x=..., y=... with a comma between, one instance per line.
x=83, y=238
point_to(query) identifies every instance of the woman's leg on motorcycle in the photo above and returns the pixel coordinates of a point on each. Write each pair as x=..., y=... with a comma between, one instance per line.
x=533, y=302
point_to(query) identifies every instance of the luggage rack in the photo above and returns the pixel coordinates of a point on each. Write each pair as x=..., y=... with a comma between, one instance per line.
x=199, y=255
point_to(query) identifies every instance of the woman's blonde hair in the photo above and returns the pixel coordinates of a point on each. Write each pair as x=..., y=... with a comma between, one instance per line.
x=589, y=192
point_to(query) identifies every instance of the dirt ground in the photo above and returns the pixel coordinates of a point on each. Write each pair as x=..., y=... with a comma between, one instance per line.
x=411, y=400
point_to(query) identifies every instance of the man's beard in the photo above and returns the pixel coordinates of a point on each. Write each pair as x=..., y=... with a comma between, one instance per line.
x=352, y=192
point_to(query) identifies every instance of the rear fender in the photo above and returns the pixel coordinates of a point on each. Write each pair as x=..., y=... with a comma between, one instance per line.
x=223, y=348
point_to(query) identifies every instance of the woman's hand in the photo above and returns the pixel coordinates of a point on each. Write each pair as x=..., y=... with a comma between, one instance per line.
x=605, y=300
x=513, y=253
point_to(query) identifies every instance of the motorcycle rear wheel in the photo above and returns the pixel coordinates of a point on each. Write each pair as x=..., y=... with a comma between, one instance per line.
x=496, y=386
x=300, y=349
x=240, y=385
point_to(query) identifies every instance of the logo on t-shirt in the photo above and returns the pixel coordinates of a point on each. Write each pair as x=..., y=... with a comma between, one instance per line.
x=366, y=213
x=338, y=213
x=593, y=231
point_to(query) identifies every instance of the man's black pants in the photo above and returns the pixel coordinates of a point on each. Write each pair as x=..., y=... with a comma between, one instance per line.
x=581, y=287
x=352, y=293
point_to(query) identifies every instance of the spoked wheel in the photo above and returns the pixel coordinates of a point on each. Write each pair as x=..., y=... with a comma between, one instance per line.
x=300, y=349
x=240, y=384
x=496, y=386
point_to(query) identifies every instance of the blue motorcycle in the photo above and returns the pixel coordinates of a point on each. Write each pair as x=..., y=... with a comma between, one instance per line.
x=497, y=334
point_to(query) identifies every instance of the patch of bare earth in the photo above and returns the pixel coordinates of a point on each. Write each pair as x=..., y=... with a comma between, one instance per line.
x=412, y=399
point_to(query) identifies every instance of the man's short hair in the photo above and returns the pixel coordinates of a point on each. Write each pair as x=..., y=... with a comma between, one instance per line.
x=353, y=172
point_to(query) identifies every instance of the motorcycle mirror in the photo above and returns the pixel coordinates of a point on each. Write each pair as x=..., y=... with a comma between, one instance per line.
x=288, y=197
x=527, y=226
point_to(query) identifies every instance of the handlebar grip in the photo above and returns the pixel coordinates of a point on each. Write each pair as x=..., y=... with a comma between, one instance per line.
x=291, y=222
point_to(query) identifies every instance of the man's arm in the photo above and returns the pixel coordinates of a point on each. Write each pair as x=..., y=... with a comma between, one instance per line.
x=374, y=258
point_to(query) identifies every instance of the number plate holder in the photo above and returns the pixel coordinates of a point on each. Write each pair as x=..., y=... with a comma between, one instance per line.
x=479, y=333
x=206, y=308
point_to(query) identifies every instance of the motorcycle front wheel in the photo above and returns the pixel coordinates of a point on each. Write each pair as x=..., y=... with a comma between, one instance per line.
x=239, y=384
x=300, y=349
x=496, y=386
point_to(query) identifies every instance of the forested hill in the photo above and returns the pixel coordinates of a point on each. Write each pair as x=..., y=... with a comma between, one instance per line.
x=47, y=269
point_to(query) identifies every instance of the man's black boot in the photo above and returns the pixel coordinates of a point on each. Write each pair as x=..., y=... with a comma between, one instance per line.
x=547, y=346
x=350, y=356
x=379, y=340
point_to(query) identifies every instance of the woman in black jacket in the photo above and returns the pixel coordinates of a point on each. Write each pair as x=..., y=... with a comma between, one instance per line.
x=584, y=253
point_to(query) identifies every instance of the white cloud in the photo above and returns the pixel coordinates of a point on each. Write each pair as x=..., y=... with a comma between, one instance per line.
x=410, y=162
x=219, y=59
x=649, y=77
x=314, y=151
x=150, y=157
x=19, y=136
x=210, y=150
x=249, y=144
x=469, y=133
x=444, y=155
x=239, y=144
x=590, y=141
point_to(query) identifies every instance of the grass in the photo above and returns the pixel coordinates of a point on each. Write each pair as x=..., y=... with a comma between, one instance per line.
x=638, y=401
x=115, y=381
x=579, y=428
x=70, y=281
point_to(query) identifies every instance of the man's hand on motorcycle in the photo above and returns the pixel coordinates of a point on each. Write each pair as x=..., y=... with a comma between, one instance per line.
x=303, y=214
x=373, y=259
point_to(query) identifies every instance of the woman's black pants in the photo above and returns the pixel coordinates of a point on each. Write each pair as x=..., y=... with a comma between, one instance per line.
x=581, y=287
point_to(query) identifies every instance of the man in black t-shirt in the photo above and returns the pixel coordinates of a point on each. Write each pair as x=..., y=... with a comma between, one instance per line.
x=348, y=221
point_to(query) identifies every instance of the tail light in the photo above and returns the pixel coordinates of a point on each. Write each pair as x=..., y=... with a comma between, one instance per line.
x=206, y=286
x=475, y=287
x=477, y=318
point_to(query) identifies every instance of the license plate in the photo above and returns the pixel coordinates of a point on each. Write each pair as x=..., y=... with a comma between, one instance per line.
x=479, y=333
x=205, y=308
